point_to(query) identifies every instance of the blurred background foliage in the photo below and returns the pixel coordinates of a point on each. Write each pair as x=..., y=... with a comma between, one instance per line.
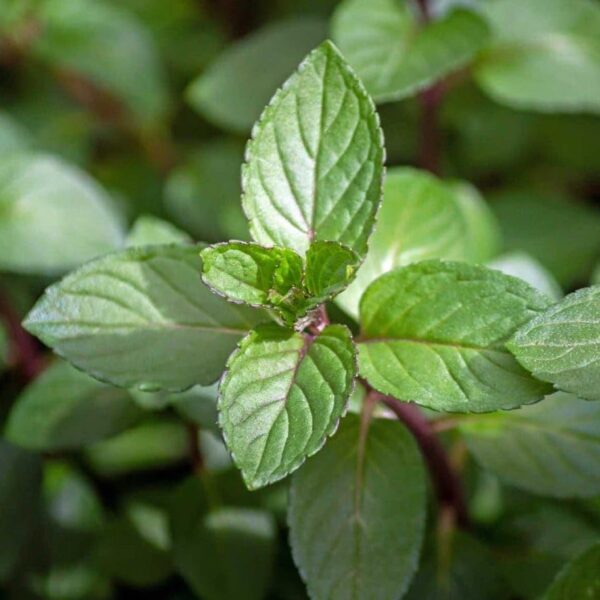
x=123, y=122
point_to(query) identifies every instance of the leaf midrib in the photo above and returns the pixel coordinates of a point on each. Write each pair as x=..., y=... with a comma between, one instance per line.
x=457, y=346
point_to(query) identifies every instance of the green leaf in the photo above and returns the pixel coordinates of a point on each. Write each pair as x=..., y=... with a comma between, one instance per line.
x=562, y=345
x=541, y=225
x=149, y=230
x=4, y=347
x=13, y=137
x=421, y=217
x=330, y=267
x=141, y=318
x=252, y=274
x=579, y=578
x=90, y=40
x=544, y=55
x=357, y=513
x=282, y=395
x=224, y=552
x=315, y=162
x=596, y=275
x=64, y=408
x=233, y=91
x=395, y=54
x=434, y=333
x=551, y=448
x=43, y=203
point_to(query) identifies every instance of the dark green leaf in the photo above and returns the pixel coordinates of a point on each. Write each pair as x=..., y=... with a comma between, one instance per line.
x=357, y=513
x=315, y=163
x=282, y=395
x=434, y=333
x=579, y=579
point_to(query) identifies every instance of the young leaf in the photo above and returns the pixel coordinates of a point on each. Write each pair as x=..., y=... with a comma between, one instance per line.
x=395, y=54
x=64, y=409
x=542, y=52
x=330, y=267
x=434, y=333
x=282, y=395
x=562, y=345
x=53, y=216
x=357, y=513
x=551, y=448
x=233, y=90
x=315, y=163
x=579, y=578
x=141, y=318
x=252, y=274
x=148, y=230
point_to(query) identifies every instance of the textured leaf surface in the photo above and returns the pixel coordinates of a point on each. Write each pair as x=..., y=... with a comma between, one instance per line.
x=551, y=448
x=360, y=501
x=545, y=55
x=420, y=218
x=434, y=333
x=330, y=267
x=234, y=89
x=579, y=579
x=562, y=345
x=282, y=396
x=394, y=54
x=315, y=162
x=43, y=202
x=141, y=318
x=148, y=230
x=64, y=408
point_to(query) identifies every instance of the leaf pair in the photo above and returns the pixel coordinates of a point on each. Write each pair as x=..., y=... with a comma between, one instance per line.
x=278, y=278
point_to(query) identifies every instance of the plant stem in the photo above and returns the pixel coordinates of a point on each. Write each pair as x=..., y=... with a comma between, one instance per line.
x=446, y=482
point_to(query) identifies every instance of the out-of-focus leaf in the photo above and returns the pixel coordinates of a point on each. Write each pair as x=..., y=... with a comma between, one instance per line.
x=233, y=91
x=4, y=347
x=596, y=275
x=104, y=44
x=579, y=579
x=64, y=409
x=562, y=345
x=525, y=267
x=354, y=505
x=198, y=405
x=292, y=199
x=563, y=236
x=53, y=217
x=148, y=230
x=224, y=552
x=143, y=318
x=13, y=136
x=551, y=448
x=544, y=55
x=395, y=54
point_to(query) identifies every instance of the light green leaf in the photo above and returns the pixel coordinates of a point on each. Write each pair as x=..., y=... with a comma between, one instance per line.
x=64, y=408
x=282, y=395
x=395, y=54
x=527, y=268
x=221, y=553
x=357, y=513
x=108, y=46
x=562, y=345
x=330, y=267
x=233, y=90
x=252, y=274
x=421, y=217
x=545, y=55
x=43, y=203
x=315, y=162
x=579, y=578
x=142, y=318
x=149, y=230
x=434, y=333
x=551, y=448
x=13, y=137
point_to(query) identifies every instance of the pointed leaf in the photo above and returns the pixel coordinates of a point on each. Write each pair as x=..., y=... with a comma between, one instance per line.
x=282, y=395
x=579, y=578
x=562, y=345
x=141, y=318
x=395, y=54
x=434, y=333
x=357, y=513
x=551, y=448
x=315, y=163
